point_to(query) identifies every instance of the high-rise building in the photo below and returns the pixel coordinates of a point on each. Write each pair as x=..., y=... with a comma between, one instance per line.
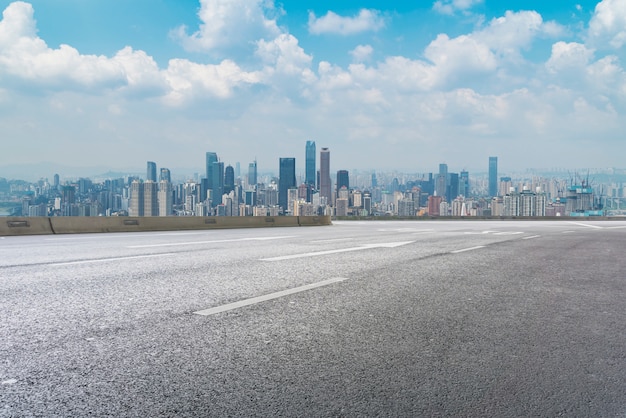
x=464, y=184
x=441, y=184
x=151, y=171
x=343, y=180
x=150, y=196
x=165, y=175
x=493, y=176
x=211, y=157
x=325, y=186
x=309, y=177
x=453, y=187
x=165, y=197
x=229, y=179
x=216, y=183
x=252, y=176
x=136, y=198
x=286, y=180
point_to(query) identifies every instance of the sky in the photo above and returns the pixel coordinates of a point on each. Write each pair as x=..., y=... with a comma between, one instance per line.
x=384, y=85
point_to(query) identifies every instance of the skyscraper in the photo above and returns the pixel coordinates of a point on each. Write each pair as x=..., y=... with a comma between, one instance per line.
x=216, y=183
x=165, y=175
x=165, y=197
x=493, y=176
x=286, y=180
x=150, y=195
x=464, y=184
x=136, y=198
x=211, y=157
x=151, y=171
x=325, y=184
x=441, y=184
x=252, y=177
x=310, y=156
x=343, y=179
x=229, y=179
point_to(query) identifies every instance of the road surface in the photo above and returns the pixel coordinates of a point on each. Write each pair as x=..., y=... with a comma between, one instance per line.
x=376, y=318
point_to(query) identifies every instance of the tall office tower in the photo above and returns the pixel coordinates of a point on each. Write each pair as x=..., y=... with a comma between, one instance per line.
x=342, y=180
x=165, y=198
x=452, y=191
x=150, y=196
x=441, y=184
x=286, y=180
x=165, y=175
x=217, y=185
x=464, y=184
x=211, y=157
x=56, y=182
x=309, y=177
x=374, y=180
x=229, y=179
x=252, y=179
x=151, y=171
x=493, y=176
x=325, y=185
x=135, y=207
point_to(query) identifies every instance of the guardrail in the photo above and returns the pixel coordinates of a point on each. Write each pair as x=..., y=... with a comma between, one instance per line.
x=11, y=226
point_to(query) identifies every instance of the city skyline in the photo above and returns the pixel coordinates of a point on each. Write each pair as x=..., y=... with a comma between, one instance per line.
x=539, y=84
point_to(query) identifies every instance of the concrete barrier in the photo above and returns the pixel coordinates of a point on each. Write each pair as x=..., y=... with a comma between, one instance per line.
x=79, y=224
x=10, y=226
x=314, y=220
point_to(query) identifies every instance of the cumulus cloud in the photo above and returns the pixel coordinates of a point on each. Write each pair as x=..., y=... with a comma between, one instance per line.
x=450, y=7
x=567, y=56
x=608, y=24
x=230, y=23
x=516, y=30
x=26, y=57
x=367, y=20
x=362, y=53
x=189, y=80
x=284, y=55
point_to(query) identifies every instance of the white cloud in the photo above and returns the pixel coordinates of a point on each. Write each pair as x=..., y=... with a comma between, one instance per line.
x=608, y=24
x=450, y=7
x=516, y=30
x=567, y=56
x=189, y=80
x=284, y=55
x=461, y=55
x=366, y=20
x=362, y=53
x=230, y=23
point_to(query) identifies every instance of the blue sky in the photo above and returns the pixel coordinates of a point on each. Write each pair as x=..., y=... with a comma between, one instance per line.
x=405, y=87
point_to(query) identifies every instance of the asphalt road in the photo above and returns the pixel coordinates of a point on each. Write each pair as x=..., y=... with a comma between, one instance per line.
x=402, y=319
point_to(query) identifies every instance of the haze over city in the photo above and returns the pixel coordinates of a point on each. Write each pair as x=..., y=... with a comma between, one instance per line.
x=104, y=84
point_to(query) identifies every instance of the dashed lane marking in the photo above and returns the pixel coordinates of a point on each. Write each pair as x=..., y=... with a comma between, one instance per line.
x=104, y=260
x=532, y=236
x=467, y=249
x=264, y=298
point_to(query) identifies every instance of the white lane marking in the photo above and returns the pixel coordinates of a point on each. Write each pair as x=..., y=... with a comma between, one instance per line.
x=264, y=298
x=341, y=250
x=467, y=249
x=322, y=241
x=480, y=233
x=104, y=260
x=508, y=233
x=586, y=225
x=532, y=236
x=174, y=244
x=615, y=227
